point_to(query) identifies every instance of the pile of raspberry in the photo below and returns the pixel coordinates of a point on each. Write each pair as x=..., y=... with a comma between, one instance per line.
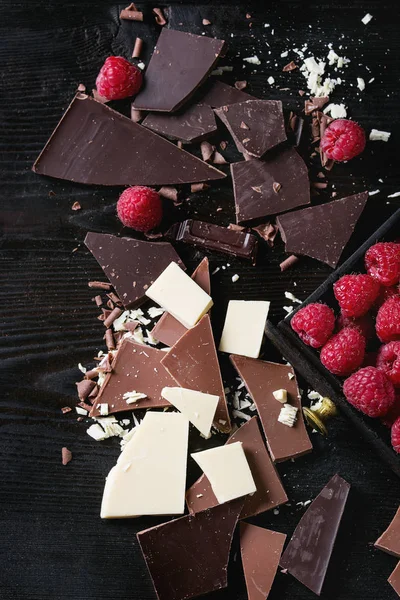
x=363, y=342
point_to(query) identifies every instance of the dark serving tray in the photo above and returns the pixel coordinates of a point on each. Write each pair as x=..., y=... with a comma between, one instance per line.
x=306, y=360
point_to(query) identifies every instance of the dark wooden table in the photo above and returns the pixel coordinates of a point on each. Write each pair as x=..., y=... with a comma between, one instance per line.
x=53, y=543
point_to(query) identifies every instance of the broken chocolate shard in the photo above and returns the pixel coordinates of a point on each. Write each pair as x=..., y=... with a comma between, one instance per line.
x=261, y=379
x=168, y=330
x=309, y=551
x=189, y=556
x=136, y=368
x=289, y=67
x=268, y=232
x=214, y=237
x=270, y=197
x=270, y=492
x=394, y=579
x=180, y=63
x=315, y=104
x=221, y=94
x=84, y=388
x=131, y=265
x=389, y=541
x=322, y=232
x=189, y=125
x=261, y=550
x=193, y=363
x=93, y=144
x=264, y=120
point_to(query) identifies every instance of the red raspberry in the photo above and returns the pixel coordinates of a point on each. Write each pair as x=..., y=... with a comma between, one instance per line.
x=388, y=361
x=385, y=293
x=382, y=262
x=365, y=324
x=356, y=294
x=388, y=320
x=314, y=324
x=343, y=140
x=395, y=435
x=140, y=207
x=118, y=79
x=393, y=414
x=370, y=391
x=344, y=352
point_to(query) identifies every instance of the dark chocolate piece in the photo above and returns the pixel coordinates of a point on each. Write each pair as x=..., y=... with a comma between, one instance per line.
x=214, y=237
x=389, y=541
x=270, y=492
x=193, y=363
x=322, y=232
x=189, y=125
x=262, y=378
x=94, y=144
x=309, y=551
x=189, y=556
x=138, y=368
x=394, y=579
x=255, y=189
x=220, y=94
x=265, y=126
x=288, y=262
x=180, y=63
x=261, y=550
x=131, y=265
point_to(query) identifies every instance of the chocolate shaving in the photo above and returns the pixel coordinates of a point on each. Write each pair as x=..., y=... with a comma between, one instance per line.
x=289, y=67
x=288, y=262
x=256, y=188
x=276, y=186
x=244, y=126
x=207, y=150
x=100, y=285
x=76, y=206
x=136, y=115
x=98, y=300
x=110, y=343
x=110, y=304
x=153, y=236
x=206, y=22
x=131, y=15
x=219, y=159
x=114, y=298
x=268, y=232
x=66, y=456
x=98, y=97
x=112, y=316
x=101, y=317
x=198, y=187
x=66, y=409
x=169, y=192
x=159, y=16
x=319, y=185
x=137, y=48
x=92, y=374
x=84, y=388
x=329, y=164
x=223, y=145
x=179, y=143
x=240, y=85
x=235, y=227
x=301, y=92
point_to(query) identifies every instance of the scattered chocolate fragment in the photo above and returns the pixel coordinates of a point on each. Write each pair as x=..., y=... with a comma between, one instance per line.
x=315, y=103
x=131, y=264
x=191, y=124
x=206, y=22
x=268, y=232
x=109, y=338
x=301, y=92
x=131, y=15
x=288, y=262
x=309, y=551
x=322, y=232
x=159, y=16
x=81, y=88
x=66, y=456
x=235, y=227
x=221, y=94
x=296, y=126
x=319, y=185
x=110, y=305
x=98, y=299
x=389, y=541
x=289, y=67
x=223, y=145
x=137, y=49
x=66, y=409
x=192, y=56
x=92, y=374
x=76, y=206
x=85, y=405
x=115, y=313
x=243, y=125
x=394, y=579
x=84, y=388
x=240, y=85
x=114, y=298
x=198, y=187
x=136, y=115
x=207, y=150
x=276, y=186
x=169, y=192
x=100, y=285
x=219, y=159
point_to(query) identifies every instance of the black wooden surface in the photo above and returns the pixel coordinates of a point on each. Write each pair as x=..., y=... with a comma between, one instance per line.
x=53, y=543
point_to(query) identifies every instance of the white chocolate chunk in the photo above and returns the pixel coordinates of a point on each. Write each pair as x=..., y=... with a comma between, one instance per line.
x=288, y=415
x=104, y=409
x=227, y=470
x=179, y=295
x=244, y=327
x=280, y=395
x=199, y=408
x=133, y=396
x=154, y=482
x=379, y=136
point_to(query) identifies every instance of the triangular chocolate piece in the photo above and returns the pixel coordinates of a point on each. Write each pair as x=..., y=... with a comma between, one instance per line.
x=135, y=368
x=130, y=265
x=322, y=232
x=189, y=125
x=96, y=145
x=220, y=94
x=271, y=186
x=394, y=579
x=270, y=492
x=261, y=550
x=262, y=378
x=389, y=541
x=255, y=125
x=168, y=330
x=189, y=556
x=193, y=363
x=180, y=63
x=309, y=551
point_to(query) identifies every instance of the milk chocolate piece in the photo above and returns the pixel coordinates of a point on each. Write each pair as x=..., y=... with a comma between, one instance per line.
x=84, y=388
x=214, y=237
x=189, y=556
x=270, y=492
x=262, y=379
x=389, y=541
x=130, y=265
x=220, y=94
x=254, y=181
x=261, y=550
x=264, y=122
x=193, y=363
x=138, y=368
x=309, y=551
x=180, y=63
x=94, y=144
x=192, y=124
x=167, y=329
x=322, y=232
x=394, y=579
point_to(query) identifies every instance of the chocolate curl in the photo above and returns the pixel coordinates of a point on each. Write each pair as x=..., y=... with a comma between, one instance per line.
x=92, y=374
x=198, y=187
x=110, y=343
x=240, y=85
x=84, y=388
x=159, y=16
x=98, y=300
x=99, y=285
x=288, y=262
x=112, y=316
x=131, y=15
x=319, y=185
x=114, y=298
x=136, y=115
x=169, y=192
x=207, y=150
x=137, y=48
x=66, y=456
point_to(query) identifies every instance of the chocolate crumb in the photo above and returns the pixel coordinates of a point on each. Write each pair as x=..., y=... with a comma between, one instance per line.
x=76, y=206
x=66, y=456
x=80, y=419
x=245, y=140
x=240, y=85
x=223, y=145
x=243, y=125
x=98, y=299
x=288, y=262
x=137, y=48
x=51, y=193
x=98, y=97
x=132, y=6
x=109, y=338
x=248, y=16
x=198, y=187
x=268, y=232
x=235, y=227
x=159, y=16
x=276, y=186
x=110, y=304
x=66, y=409
x=301, y=92
x=169, y=192
x=136, y=115
x=225, y=108
x=114, y=299
x=101, y=317
x=206, y=22
x=257, y=189
x=85, y=405
x=112, y=316
x=81, y=88
x=206, y=150
x=289, y=67
x=219, y=159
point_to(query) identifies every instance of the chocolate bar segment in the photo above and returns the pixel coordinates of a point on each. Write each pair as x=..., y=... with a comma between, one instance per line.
x=221, y=94
x=394, y=579
x=190, y=125
x=389, y=541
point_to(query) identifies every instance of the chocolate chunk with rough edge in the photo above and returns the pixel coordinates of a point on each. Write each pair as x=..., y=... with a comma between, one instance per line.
x=189, y=125
x=394, y=579
x=322, y=232
x=389, y=541
x=96, y=145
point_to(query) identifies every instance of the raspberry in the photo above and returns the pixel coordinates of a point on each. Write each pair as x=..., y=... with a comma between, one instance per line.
x=395, y=435
x=370, y=391
x=356, y=294
x=388, y=361
x=365, y=324
x=382, y=262
x=388, y=320
x=343, y=140
x=314, y=324
x=140, y=207
x=118, y=79
x=344, y=352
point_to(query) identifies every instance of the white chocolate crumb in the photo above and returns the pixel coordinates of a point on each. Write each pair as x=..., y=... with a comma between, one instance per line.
x=253, y=60
x=366, y=19
x=134, y=396
x=293, y=298
x=235, y=278
x=280, y=395
x=360, y=84
x=379, y=136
